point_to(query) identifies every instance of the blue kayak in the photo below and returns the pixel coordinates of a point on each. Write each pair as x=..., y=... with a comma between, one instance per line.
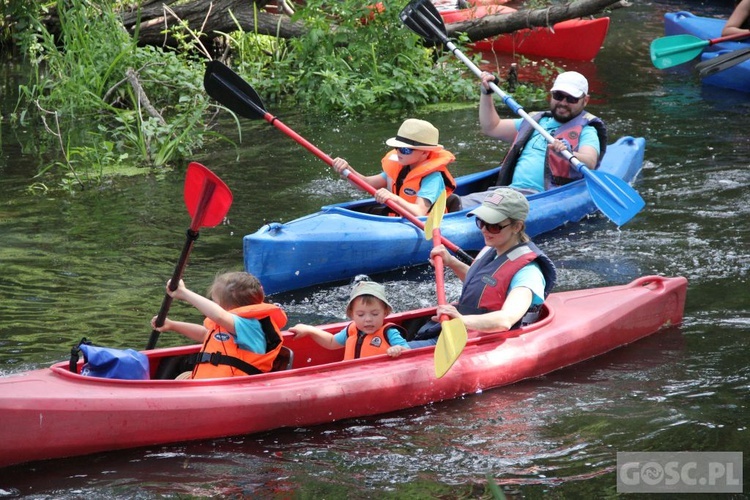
x=341, y=241
x=708, y=28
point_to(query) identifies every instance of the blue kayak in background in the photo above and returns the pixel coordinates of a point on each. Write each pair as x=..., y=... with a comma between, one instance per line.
x=708, y=28
x=341, y=241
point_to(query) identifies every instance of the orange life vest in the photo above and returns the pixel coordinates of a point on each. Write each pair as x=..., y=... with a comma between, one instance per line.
x=222, y=357
x=406, y=181
x=360, y=344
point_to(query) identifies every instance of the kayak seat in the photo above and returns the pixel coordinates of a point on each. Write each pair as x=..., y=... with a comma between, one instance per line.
x=453, y=203
x=284, y=360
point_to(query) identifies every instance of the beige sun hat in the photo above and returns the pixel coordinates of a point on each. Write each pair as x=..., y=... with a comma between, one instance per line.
x=416, y=134
x=369, y=288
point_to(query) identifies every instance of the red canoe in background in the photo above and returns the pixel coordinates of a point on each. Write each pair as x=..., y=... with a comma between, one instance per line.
x=579, y=39
x=53, y=412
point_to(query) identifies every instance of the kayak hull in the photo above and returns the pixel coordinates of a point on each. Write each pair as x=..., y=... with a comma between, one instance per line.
x=706, y=28
x=53, y=412
x=578, y=39
x=339, y=242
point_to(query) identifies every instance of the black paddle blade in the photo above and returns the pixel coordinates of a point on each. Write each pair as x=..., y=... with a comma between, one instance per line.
x=232, y=91
x=722, y=62
x=423, y=18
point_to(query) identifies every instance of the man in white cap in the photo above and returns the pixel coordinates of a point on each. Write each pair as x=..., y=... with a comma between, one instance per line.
x=415, y=171
x=532, y=165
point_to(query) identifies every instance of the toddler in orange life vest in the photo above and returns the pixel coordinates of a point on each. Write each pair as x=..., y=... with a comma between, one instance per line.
x=414, y=173
x=367, y=334
x=241, y=334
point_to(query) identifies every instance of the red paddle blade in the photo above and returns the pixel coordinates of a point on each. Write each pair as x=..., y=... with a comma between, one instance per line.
x=207, y=198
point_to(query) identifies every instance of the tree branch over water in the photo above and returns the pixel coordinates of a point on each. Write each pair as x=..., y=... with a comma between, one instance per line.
x=152, y=19
x=498, y=24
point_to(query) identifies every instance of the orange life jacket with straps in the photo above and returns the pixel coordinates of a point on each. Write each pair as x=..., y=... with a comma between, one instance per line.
x=360, y=344
x=222, y=357
x=405, y=181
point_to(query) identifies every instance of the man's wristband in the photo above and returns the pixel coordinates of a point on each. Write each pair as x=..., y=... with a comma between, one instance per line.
x=489, y=90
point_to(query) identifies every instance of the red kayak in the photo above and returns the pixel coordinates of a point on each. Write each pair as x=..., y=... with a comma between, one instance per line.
x=53, y=412
x=579, y=39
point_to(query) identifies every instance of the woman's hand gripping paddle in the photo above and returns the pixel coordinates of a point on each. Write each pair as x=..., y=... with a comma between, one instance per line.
x=452, y=338
x=614, y=197
x=672, y=50
x=236, y=94
x=207, y=199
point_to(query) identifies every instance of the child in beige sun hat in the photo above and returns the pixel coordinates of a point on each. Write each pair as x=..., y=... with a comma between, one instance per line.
x=415, y=171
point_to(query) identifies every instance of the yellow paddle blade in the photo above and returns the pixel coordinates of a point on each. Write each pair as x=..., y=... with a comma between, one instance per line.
x=435, y=217
x=451, y=342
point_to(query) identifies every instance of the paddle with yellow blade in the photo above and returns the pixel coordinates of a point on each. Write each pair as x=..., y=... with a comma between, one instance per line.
x=453, y=336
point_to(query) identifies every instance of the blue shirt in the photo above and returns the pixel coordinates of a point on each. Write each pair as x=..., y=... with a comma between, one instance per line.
x=531, y=277
x=529, y=171
x=249, y=334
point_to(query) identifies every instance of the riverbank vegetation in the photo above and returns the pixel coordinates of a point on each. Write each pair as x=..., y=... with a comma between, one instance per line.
x=112, y=106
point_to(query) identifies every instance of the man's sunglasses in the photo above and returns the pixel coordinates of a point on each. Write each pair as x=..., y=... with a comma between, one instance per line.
x=405, y=151
x=562, y=96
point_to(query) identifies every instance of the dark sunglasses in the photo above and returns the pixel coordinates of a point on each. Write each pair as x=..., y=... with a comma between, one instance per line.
x=491, y=228
x=562, y=96
x=405, y=151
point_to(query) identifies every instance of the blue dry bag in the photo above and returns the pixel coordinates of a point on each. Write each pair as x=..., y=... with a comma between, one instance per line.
x=105, y=362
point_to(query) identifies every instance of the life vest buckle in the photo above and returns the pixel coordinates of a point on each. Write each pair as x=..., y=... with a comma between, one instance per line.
x=215, y=358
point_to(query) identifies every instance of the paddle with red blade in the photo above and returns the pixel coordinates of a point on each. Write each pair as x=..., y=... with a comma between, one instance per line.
x=453, y=336
x=614, y=197
x=672, y=50
x=232, y=91
x=207, y=199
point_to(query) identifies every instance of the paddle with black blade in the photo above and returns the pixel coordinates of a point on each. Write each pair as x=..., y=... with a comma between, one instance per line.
x=722, y=62
x=232, y=91
x=672, y=50
x=207, y=199
x=614, y=197
x=453, y=336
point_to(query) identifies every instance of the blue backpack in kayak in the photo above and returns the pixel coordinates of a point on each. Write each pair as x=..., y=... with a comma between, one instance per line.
x=105, y=362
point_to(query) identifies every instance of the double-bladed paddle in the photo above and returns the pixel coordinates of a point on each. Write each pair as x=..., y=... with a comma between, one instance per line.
x=722, y=62
x=232, y=91
x=614, y=197
x=207, y=199
x=672, y=50
x=453, y=336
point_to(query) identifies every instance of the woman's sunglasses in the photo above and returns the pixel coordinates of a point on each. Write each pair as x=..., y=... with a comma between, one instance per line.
x=405, y=151
x=562, y=96
x=491, y=228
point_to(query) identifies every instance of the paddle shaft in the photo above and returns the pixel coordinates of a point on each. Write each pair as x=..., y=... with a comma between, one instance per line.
x=352, y=176
x=605, y=190
x=192, y=235
x=508, y=100
x=437, y=260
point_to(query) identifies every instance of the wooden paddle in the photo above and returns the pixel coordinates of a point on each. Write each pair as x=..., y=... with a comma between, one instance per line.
x=722, y=62
x=672, y=50
x=614, y=197
x=232, y=91
x=207, y=199
x=453, y=336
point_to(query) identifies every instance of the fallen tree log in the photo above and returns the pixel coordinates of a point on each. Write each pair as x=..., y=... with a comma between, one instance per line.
x=154, y=18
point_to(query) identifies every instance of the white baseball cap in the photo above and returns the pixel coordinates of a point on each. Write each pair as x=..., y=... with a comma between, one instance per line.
x=572, y=83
